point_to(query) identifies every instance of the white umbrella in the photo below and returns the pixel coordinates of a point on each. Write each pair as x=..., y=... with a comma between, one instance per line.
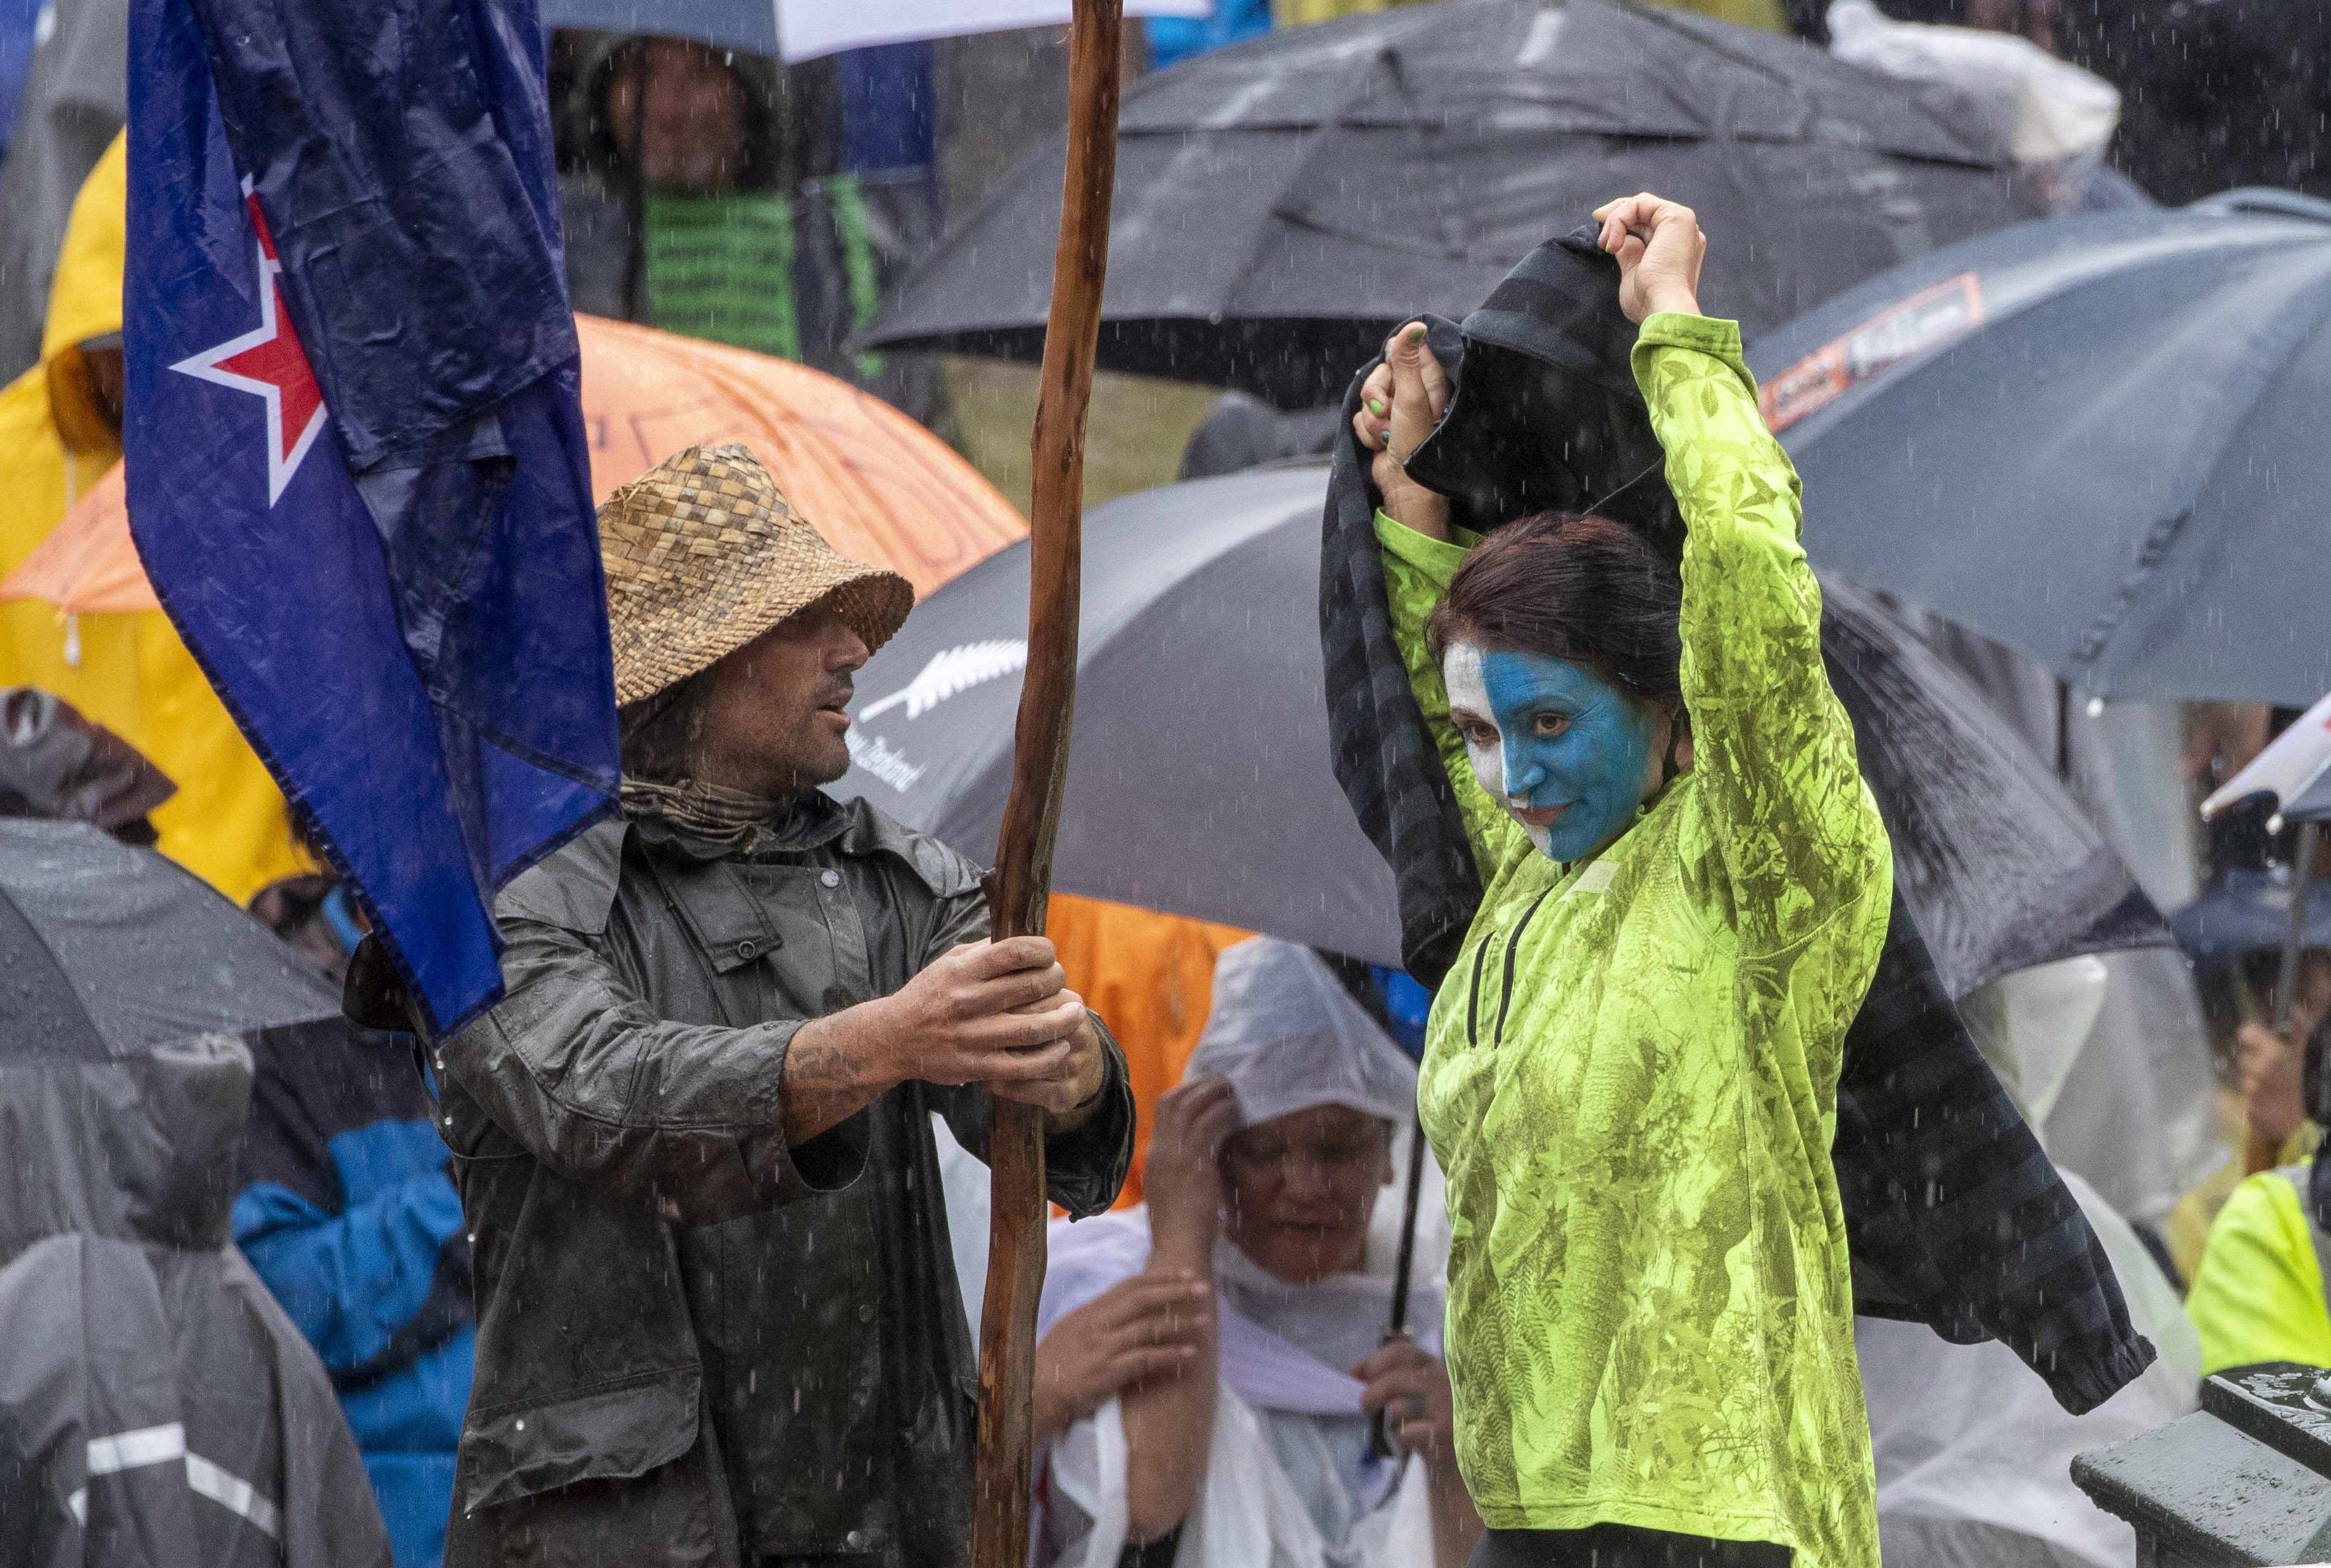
x=2296, y=770
x=807, y=29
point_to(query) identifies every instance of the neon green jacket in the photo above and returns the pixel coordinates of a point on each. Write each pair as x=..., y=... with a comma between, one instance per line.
x=2258, y=1294
x=1630, y=1074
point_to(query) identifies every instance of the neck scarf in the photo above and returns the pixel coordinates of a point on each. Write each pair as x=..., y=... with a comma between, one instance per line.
x=708, y=811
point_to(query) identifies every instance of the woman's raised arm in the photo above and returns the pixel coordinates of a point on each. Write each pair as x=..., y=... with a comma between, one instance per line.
x=1400, y=404
x=1797, y=829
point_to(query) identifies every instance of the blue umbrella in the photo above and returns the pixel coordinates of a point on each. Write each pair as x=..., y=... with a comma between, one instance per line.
x=2242, y=911
x=2097, y=440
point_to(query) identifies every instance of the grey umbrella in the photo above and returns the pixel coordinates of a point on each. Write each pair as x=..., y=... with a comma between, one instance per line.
x=1281, y=204
x=2098, y=441
x=113, y=951
x=1200, y=785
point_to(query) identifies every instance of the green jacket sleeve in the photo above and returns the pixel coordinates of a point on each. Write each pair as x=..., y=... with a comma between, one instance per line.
x=2258, y=1294
x=1785, y=806
x=1417, y=570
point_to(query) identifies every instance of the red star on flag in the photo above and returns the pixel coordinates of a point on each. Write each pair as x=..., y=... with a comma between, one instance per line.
x=270, y=363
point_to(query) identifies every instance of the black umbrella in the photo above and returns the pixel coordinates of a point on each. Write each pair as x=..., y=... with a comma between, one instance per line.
x=113, y=952
x=150, y=1383
x=1283, y=203
x=2098, y=441
x=1200, y=782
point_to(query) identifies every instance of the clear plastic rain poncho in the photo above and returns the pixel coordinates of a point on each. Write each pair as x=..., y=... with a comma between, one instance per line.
x=1290, y=1036
x=1287, y=1477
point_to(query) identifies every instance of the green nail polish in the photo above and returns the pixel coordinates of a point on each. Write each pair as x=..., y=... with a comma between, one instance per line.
x=1374, y=407
x=1416, y=335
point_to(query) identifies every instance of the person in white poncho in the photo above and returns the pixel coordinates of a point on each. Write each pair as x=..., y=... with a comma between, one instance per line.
x=1209, y=1364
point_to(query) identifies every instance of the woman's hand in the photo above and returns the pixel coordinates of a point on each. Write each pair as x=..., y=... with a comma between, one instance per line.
x=1414, y=1387
x=1144, y=1327
x=1169, y=1419
x=1182, y=1182
x=1660, y=248
x=1401, y=402
x=2273, y=1098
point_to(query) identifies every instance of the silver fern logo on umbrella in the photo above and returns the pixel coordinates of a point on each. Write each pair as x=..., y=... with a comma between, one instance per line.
x=945, y=673
x=956, y=670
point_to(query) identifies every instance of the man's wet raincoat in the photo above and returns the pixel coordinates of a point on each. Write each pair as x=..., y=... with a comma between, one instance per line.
x=1631, y=1076
x=126, y=670
x=696, y=1343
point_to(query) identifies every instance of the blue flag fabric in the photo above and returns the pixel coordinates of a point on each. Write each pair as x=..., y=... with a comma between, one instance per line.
x=358, y=472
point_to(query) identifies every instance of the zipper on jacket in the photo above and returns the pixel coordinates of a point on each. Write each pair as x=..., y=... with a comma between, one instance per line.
x=1513, y=942
x=1473, y=998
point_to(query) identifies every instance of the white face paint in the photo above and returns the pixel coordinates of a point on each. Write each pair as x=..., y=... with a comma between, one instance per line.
x=1469, y=691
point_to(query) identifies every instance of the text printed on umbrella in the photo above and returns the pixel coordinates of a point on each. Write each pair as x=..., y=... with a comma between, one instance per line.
x=1917, y=324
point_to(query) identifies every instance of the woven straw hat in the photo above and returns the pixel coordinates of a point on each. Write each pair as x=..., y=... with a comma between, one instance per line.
x=703, y=555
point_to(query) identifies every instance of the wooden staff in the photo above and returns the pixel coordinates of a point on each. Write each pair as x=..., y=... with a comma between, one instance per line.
x=1018, y=887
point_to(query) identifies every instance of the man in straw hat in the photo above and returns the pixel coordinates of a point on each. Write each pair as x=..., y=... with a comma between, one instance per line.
x=717, y=1317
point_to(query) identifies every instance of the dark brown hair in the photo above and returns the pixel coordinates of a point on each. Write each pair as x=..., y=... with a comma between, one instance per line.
x=1574, y=586
x=658, y=731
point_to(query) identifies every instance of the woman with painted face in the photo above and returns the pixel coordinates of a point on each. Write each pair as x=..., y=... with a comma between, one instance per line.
x=1209, y=1362
x=1631, y=1071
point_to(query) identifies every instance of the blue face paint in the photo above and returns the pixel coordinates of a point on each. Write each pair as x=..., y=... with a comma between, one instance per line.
x=1562, y=749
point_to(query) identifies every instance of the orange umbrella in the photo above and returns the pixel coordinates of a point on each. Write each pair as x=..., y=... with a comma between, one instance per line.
x=880, y=487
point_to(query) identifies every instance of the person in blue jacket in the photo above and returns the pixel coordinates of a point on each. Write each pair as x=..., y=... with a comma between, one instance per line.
x=347, y=1212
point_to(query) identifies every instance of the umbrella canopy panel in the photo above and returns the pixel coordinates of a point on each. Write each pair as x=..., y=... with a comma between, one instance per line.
x=2096, y=440
x=1281, y=204
x=1996, y=860
x=144, y=952
x=1200, y=781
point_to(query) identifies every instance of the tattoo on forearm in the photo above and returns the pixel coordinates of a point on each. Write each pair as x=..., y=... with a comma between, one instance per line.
x=819, y=1068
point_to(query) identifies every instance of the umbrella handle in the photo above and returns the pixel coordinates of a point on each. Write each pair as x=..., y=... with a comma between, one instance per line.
x=1381, y=1444
x=2293, y=941
x=1380, y=1439
x=2260, y=1154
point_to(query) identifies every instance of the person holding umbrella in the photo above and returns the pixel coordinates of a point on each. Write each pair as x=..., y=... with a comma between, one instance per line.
x=1211, y=1361
x=1630, y=1072
x=2258, y=1295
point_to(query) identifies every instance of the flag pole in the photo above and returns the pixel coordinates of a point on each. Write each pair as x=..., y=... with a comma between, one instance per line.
x=1018, y=887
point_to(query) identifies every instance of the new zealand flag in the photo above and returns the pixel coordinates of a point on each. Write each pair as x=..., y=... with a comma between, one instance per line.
x=357, y=465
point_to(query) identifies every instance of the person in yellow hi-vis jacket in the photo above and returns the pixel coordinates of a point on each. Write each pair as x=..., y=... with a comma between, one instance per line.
x=59, y=432
x=2258, y=1295
x=1630, y=1072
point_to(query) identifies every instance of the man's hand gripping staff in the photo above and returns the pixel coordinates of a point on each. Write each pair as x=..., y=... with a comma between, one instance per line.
x=993, y=1013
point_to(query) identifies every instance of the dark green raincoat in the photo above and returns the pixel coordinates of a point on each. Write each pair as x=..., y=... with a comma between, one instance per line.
x=696, y=1343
